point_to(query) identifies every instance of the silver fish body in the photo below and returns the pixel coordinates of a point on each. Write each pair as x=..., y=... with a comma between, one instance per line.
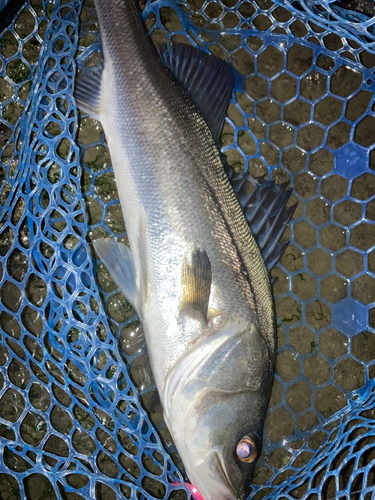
x=214, y=376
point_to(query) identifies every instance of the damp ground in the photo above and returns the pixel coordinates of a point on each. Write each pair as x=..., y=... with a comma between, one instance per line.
x=317, y=367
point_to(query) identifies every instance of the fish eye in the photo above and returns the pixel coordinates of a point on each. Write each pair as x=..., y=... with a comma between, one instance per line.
x=246, y=449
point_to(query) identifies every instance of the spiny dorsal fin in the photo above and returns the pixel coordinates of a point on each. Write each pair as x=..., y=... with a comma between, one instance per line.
x=87, y=90
x=264, y=206
x=207, y=79
x=196, y=284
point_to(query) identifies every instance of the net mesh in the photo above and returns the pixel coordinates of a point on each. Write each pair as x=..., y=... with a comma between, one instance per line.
x=74, y=368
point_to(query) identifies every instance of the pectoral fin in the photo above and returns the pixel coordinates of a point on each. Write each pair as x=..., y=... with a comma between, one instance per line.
x=196, y=280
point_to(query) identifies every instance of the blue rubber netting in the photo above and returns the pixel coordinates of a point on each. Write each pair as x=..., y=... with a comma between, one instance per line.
x=332, y=16
x=72, y=424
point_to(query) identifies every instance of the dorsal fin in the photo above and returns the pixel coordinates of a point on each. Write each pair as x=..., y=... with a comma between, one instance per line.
x=264, y=206
x=207, y=79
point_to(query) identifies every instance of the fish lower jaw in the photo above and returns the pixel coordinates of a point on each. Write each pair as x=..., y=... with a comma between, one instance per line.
x=209, y=476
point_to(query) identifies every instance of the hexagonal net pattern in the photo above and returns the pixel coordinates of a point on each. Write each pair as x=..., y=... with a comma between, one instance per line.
x=303, y=112
x=336, y=16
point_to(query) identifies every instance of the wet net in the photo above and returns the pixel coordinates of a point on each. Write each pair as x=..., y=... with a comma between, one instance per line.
x=79, y=413
x=336, y=16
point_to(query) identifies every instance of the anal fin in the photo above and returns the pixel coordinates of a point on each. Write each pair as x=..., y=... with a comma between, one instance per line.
x=87, y=89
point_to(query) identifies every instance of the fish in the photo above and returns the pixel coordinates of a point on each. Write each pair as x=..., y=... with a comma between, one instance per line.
x=194, y=270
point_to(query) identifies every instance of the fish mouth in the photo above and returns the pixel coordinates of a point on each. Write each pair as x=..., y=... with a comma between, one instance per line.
x=218, y=460
x=211, y=479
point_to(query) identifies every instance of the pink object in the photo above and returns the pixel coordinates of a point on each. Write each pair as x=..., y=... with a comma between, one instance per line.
x=192, y=489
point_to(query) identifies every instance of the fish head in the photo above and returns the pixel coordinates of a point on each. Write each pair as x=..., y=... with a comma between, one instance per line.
x=218, y=396
x=224, y=450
